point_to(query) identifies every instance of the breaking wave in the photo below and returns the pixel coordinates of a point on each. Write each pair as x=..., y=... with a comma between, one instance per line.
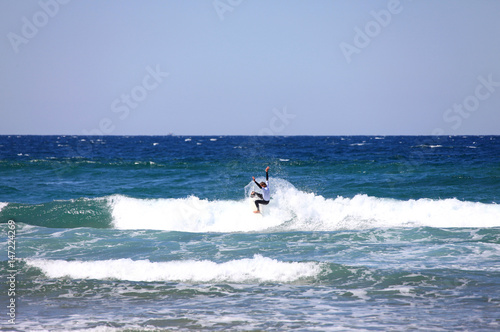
x=290, y=210
x=256, y=269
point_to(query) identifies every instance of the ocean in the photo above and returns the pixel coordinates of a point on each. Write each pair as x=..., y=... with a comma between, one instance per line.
x=362, y=233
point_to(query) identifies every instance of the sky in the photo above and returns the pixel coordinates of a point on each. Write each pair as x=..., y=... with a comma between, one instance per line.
x=241, y=67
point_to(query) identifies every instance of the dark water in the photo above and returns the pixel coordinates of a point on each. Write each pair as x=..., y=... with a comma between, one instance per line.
x=144, y=233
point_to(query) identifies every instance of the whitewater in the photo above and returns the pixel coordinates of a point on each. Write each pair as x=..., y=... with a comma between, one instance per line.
x=292, y=209
x=257, y=269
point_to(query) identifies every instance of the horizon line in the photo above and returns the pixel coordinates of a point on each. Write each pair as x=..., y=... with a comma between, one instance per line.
x=248, y=135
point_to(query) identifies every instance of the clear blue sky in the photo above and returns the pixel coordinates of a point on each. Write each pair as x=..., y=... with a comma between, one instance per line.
x=241, y=67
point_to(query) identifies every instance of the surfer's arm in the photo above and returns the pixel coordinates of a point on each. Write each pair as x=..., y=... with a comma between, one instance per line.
x=258, y=185
x=267, y=174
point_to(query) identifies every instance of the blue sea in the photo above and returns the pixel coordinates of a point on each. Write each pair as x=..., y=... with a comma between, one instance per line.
x=146, y=233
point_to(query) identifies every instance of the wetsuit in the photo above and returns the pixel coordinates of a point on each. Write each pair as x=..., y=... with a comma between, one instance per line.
x=265, y=197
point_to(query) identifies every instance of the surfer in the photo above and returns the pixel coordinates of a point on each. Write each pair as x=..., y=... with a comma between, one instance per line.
x=265, y=197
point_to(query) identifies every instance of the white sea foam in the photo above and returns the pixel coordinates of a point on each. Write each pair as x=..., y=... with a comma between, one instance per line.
x=187, y=215
x=293, y=209
x=429, y=146
x=2, y=205
x=256, y=269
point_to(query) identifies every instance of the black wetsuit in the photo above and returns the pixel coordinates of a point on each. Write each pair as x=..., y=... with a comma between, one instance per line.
x=265, y=197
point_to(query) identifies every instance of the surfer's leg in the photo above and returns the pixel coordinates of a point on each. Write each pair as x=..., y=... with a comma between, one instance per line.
x=260, y=201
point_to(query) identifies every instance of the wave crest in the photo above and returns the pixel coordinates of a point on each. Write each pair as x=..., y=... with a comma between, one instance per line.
x=290, y=210
x=295, y=210
x=256, y=269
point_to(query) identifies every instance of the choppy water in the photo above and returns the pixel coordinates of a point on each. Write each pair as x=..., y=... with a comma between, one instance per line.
x=144, y=233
